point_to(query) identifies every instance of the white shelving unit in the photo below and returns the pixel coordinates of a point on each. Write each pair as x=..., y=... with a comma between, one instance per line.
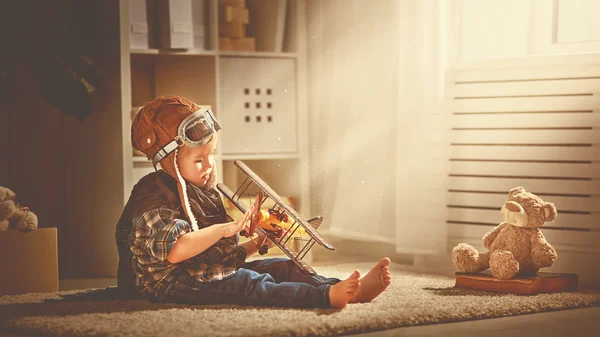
x=198, y=75
x=100, y=168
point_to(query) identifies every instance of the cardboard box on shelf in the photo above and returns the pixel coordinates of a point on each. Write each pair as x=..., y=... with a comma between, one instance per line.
x=233, y=3
x=33, y=263
x=234, y=14
x=225, y=44
x=243, y=44
x=232, y=29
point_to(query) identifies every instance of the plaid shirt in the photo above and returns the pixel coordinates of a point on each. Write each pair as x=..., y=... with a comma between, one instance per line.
x=153, y=236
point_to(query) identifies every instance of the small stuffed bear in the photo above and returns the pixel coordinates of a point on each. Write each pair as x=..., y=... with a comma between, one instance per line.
x=516, y=246
x=13, y=216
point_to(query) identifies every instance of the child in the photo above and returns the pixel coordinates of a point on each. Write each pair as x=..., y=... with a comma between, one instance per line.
x=177, y=244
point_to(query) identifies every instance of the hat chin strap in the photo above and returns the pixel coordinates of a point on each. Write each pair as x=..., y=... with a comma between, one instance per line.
x=165, y=151
x=183, y=191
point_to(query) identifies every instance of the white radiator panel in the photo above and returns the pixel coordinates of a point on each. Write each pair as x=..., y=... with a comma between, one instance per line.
x=489, y=200
x=530, y=88
x=525, y=169
x=525, y=104
x=537, y=186
x=524, y=137
x=527, y=123
x=530, y=153
x=524, y=121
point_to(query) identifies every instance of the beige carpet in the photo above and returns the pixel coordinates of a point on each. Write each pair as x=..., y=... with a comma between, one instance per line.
x=413, y=298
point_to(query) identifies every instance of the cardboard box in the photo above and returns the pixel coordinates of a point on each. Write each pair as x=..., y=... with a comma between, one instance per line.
x=233, y=3
x=232, y=29
x=30, y=263
x=225, y=44
x=234, y=14
x=243, y=44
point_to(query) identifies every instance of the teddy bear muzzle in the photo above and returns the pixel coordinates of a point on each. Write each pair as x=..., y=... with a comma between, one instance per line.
x=514, y=214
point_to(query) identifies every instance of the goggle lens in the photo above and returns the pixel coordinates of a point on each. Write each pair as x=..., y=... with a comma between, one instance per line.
x=195, y=131
x=199, y=131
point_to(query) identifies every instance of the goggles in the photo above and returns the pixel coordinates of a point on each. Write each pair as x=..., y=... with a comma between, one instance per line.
x=195, y=130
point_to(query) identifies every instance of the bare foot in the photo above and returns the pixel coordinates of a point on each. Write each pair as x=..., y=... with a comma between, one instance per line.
x=341, y=292
x=374, y=283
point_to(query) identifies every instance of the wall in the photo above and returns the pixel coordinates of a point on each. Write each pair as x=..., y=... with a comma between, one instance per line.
x=492, y=29
x=96, y=152
x=35, y=134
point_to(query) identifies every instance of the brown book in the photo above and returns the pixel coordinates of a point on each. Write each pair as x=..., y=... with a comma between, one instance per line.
x=542, y=283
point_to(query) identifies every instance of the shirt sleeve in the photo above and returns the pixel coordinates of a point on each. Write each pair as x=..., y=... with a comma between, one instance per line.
x=156, y=232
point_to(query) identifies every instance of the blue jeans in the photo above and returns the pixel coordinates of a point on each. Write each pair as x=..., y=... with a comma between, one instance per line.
x=266, y=282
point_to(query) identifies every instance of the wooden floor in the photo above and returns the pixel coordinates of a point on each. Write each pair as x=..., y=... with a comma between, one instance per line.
x=575, y=322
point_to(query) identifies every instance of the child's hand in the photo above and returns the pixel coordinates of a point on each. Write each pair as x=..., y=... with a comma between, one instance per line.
x=234, y=227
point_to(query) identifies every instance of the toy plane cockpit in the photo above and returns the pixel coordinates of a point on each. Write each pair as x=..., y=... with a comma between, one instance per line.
x=280, y=223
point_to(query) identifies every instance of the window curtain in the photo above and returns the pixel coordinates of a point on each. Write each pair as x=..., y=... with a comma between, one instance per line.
x=353, y=53
x=367, y=122
x=423, y=129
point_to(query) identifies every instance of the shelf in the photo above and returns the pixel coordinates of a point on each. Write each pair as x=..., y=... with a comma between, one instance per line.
x=256, y=54
x=260, y=156
x=138, y=159
x=156, y=75
x=190, y=52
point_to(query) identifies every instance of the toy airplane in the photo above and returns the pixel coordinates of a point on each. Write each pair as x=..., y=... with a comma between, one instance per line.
x=279, y=223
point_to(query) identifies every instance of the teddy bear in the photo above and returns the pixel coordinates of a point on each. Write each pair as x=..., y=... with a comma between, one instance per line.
x=14, y=216
x=517, y=246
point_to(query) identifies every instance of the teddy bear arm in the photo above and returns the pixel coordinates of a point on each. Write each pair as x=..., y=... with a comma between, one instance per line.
x=542, y=253
x=489, y=238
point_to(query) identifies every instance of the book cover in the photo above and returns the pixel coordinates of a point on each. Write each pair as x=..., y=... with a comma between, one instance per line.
x=268, y=19
x=542, y=283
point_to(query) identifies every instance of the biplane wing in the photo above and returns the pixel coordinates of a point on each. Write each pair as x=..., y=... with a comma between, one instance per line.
x=279, y=201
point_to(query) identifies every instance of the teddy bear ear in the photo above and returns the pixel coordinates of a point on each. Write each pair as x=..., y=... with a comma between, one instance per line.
x=516, y=190
x=549, y=212
x=6, y=194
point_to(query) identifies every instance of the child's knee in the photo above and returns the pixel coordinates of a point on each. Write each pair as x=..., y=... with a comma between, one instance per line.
x=251, y=276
